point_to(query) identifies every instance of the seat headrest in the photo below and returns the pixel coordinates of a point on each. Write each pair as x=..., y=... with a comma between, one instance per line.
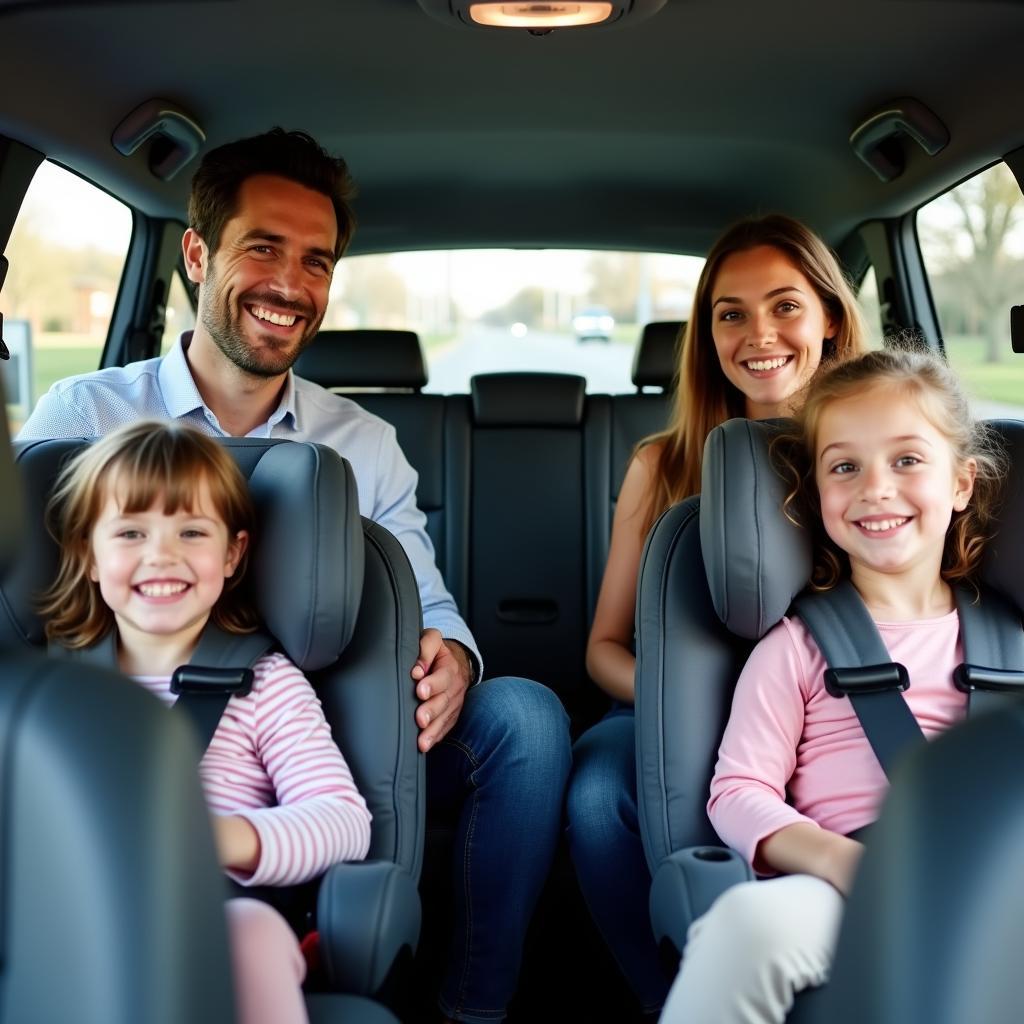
x=757, y=561
x=528, y=399
x=306, y=566
x=11, y=517
x=657, y=356
x=364, y=359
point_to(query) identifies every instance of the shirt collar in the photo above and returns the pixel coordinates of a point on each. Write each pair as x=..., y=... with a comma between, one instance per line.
x=181, y=396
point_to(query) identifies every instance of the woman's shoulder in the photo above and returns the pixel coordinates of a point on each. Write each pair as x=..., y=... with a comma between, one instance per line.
x=649, y=452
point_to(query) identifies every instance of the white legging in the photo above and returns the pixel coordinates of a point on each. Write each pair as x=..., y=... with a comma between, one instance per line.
x=758, y=945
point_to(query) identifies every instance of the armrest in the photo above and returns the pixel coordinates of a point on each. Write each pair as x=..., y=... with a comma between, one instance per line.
x=367, y=913
x=685, y=885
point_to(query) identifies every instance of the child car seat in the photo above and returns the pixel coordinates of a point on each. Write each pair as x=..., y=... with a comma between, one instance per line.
x=340, y=597
x=717, y=572
x=110, y=911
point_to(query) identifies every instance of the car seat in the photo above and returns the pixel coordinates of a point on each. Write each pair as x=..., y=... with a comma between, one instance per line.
x=349, y=617
x=110, y=909
x=717, y=572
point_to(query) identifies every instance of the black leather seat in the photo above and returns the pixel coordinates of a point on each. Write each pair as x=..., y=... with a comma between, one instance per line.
x=527, y=538
x=384, y=371
x=327, y=583
x=616, y=424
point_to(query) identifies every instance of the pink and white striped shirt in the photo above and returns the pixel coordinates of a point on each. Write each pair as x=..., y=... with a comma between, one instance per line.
x=273, y=761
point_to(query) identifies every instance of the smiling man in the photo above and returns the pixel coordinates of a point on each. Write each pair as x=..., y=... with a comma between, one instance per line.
x=269, y=217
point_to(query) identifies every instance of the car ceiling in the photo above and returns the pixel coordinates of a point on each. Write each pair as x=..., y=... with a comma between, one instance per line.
x=647, y=135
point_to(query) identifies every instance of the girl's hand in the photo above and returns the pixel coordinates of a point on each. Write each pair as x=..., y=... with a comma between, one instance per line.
x=238, y=843
x=842, y=856
x=807, y=849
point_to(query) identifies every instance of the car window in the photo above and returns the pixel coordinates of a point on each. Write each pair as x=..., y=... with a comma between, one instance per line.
x=972, y=241
x=67, y=254
x=476, y=311
x=181, y=316
x=867, y=299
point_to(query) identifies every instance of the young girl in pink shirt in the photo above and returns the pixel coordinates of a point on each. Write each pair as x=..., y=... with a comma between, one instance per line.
x=155, y=521
x=897, y=485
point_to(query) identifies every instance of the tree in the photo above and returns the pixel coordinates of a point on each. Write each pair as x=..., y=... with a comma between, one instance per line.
x=973, y=271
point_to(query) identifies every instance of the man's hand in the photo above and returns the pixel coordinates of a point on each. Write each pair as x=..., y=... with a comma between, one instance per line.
x=442, y=677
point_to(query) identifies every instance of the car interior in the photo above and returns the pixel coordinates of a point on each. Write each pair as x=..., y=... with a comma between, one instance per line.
x=609, y=150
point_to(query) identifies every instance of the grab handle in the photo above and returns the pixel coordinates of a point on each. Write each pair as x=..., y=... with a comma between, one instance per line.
x=877, y=140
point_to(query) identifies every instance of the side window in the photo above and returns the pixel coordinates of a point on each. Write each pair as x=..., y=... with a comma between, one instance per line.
x=180, y=314
x=67, y=254
x=867, y=299
x=972, y=241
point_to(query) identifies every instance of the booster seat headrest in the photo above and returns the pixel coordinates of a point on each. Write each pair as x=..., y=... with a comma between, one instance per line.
x=306, y=565
x=757, y=561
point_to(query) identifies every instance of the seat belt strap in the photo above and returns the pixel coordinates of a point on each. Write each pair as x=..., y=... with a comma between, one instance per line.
x=220, y=667
x=992, y=674
x=861, y=668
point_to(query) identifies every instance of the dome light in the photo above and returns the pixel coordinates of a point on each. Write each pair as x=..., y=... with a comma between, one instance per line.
x=540, y=17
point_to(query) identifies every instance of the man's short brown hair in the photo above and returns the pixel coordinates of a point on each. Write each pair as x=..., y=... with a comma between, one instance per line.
x=292, y=155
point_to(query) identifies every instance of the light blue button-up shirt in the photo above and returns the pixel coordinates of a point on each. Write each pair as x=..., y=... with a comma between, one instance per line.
x=93, y=404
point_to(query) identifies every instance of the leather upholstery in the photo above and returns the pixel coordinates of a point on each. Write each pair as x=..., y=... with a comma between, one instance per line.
x=527, y=399
x=364, y=358
x=656, y=358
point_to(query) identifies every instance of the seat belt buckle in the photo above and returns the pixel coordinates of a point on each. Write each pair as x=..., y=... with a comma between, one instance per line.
x=968, y=678
x=861, y=679
x=236, y=682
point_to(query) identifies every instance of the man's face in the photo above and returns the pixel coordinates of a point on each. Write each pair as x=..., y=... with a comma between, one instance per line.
x=263, y=293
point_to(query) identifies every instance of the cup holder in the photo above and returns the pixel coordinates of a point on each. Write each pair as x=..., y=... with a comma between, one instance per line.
x=713, y=853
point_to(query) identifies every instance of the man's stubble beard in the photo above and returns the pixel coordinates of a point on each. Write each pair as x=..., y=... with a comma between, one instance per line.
x=226, y=330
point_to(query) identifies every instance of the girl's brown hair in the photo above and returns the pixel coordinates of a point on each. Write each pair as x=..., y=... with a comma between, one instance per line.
x=704, y=396
x=144, y=462
x=926, y=378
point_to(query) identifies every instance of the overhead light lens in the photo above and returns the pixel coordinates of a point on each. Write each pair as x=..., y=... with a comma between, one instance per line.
x=539, y=15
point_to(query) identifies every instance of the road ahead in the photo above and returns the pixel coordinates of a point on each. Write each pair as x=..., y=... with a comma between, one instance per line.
x=607, y=367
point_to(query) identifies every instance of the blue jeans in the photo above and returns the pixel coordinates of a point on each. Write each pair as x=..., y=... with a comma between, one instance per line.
x=604, y=841
x=504, y=768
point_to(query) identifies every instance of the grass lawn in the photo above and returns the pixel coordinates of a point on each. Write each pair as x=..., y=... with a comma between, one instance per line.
x=52, y=364
x=996, y=382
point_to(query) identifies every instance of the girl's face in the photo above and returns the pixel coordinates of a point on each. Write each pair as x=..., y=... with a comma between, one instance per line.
x=768, y=325
x=161, y=573
x=889, y=483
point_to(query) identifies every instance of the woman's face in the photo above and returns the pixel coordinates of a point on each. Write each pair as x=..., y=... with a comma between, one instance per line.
x=768, y=325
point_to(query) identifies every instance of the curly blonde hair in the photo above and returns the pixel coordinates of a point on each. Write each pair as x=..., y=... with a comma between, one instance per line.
x=928, y=379
x=145, y=462
x=704, y=396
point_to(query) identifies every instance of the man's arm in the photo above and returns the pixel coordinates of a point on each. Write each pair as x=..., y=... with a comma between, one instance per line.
x=396, y=510
x=449, y=660
x=55, y=416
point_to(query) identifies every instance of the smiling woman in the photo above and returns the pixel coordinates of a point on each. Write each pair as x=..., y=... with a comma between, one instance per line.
x=769, y=328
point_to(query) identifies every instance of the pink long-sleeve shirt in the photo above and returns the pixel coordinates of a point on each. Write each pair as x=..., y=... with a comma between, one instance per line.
x=787, y=736
x=273, y=761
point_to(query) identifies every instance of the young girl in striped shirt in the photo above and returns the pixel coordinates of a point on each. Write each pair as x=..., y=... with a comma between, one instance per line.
x=897, y=484
x=154, y=522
